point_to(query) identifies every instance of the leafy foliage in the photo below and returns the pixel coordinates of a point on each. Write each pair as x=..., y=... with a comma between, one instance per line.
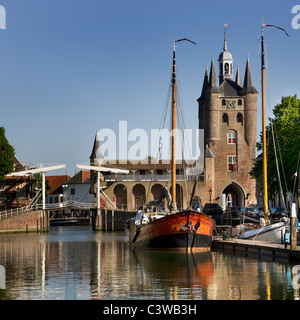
x=6, y=155
x=286, y=129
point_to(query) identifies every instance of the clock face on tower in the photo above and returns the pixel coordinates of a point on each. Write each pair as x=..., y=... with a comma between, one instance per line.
x=231, y=104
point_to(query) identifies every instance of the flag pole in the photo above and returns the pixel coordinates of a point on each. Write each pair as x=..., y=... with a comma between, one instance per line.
x=264, y=135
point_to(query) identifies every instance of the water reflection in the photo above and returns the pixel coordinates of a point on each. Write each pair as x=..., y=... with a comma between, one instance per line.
x=76, y=263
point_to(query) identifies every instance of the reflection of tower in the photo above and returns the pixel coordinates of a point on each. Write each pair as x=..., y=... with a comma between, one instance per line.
x=227, y=113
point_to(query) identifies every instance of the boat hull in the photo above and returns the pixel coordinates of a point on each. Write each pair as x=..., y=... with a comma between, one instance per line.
x=182, y=230
x=270, y=233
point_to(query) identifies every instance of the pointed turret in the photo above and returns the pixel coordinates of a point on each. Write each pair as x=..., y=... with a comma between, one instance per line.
x=238, y=80
x=96, y=158
x=248, y=82
x=205, y=82
x=213, y=83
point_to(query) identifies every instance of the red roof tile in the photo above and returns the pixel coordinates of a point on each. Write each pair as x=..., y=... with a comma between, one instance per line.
x=55, y=182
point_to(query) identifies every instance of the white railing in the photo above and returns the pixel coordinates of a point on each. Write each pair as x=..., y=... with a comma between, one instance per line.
x=70, y=204
x=66, y=204
x=14, y=212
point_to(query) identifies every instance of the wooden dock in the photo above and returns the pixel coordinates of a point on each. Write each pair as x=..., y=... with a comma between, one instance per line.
x=257, y=248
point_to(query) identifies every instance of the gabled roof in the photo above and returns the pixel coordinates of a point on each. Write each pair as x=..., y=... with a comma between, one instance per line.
x=18, y=165
x=229, y=88
x=82, y=176
x=55, y=183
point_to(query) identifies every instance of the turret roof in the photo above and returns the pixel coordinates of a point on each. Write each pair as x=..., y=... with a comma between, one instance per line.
x=248, y=82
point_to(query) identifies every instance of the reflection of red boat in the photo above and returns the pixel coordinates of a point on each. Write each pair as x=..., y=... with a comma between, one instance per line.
x=186, y=229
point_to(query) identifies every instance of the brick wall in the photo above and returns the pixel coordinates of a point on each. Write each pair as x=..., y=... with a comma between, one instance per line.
x=35, y=221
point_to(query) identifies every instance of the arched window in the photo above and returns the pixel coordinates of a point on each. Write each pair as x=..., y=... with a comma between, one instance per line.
x=226, y=67
x=223, y=102
x=240, y=102
x=239, y=118
x=225, y=118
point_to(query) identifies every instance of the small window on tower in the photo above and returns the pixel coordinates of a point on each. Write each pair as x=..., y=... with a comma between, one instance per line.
x=232, y=163
x=225, y=118
x=223, y=102
x=239, y=118
x=231, y=137
x=226, y=68
x=240, y=102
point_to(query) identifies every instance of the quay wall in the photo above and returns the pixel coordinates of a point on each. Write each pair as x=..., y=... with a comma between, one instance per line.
x=255, y=248
x=111, y=220
x=35, y=221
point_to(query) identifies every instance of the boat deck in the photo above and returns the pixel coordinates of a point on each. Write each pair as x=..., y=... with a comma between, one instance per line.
x=257, y=248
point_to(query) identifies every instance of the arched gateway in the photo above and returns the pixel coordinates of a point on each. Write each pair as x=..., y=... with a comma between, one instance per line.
x=233, y=195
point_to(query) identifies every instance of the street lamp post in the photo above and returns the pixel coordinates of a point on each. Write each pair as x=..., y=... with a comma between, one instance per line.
x=210, y=192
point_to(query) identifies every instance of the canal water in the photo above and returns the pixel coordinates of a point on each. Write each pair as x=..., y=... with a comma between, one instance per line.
x=72, y=263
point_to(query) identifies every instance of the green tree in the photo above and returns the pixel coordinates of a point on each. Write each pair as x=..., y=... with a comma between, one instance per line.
x=6, y=155
x=286, y=129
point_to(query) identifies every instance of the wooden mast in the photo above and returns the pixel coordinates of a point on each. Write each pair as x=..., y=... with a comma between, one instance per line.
x=174, y=132
x=264, y=134
x=174, y=88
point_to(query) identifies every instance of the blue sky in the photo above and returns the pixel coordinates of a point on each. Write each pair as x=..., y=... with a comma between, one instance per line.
x=71, y=67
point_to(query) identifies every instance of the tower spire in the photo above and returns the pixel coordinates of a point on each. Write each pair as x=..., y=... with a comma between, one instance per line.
x=96, y=157
x=212, y=84
x=225, y=39
x=225, y=61
x=248, y=82
x=205, y=82
x=238, y=77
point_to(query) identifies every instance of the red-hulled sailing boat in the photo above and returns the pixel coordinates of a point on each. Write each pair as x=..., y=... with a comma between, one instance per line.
x=188, y=229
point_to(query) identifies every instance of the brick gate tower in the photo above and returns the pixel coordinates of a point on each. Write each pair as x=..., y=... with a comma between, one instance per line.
x=227, y=113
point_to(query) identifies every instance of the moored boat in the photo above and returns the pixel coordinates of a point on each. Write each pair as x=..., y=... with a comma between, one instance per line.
x=269, y=233
x=185, y=229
